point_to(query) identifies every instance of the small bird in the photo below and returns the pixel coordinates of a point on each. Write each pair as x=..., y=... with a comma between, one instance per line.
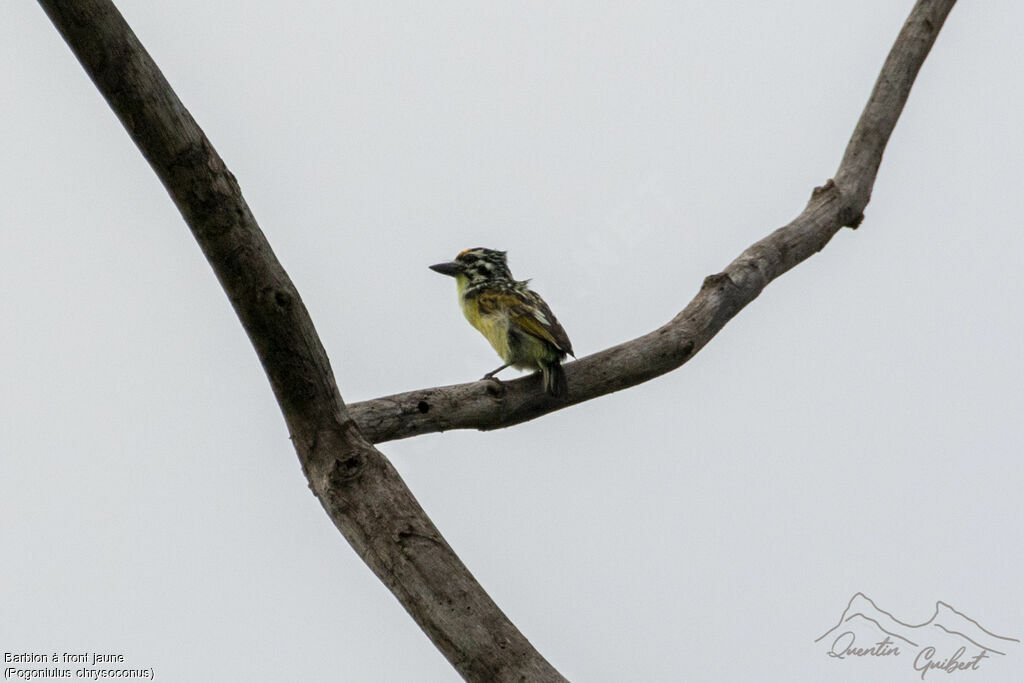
x=513, y=318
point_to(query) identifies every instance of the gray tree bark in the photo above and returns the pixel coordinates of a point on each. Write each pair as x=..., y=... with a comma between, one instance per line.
x=356, y=484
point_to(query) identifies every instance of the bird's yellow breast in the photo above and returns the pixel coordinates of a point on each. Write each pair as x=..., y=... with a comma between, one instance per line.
x=494, y=326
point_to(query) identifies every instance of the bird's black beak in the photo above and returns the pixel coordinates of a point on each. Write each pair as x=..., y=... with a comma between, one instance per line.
x=452, y=268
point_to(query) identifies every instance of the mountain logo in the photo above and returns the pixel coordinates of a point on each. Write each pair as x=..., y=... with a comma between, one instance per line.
x=950, y=641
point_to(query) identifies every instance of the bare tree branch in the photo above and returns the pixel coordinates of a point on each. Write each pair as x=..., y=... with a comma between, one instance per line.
x=838, y=203
x=355, y=483
x=357, y=486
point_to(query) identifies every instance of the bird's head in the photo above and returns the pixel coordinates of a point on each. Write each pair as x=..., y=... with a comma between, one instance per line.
x=478, y=266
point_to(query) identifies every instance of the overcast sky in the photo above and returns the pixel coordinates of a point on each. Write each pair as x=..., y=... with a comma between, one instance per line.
x=856, y=428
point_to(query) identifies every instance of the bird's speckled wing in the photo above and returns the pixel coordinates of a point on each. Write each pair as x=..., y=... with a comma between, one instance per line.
x=532, y=316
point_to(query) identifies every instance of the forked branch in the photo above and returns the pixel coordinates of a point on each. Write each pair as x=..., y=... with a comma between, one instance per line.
x=355, y=483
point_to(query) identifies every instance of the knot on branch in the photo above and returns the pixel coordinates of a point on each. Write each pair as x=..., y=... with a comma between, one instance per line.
x=337, y=452
x=718, y=281
x=850, y=217
x=817, y=192
x=282, y=299
x=495, y=388
x=410, y=532
x=346, y=469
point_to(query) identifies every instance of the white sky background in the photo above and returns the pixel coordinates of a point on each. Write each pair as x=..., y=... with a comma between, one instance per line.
x=856, y=428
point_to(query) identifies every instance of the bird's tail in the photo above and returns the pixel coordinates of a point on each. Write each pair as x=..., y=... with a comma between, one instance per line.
x=555, y=383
